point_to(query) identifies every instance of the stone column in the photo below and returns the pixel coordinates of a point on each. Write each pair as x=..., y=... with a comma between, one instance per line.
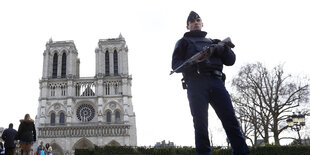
x=69, y=111
x=41, y=112
x=44, y=90
x=100, y=109
x=120, y=61
x=59, y=65
x=70, y=89
x=97, y=71
x=45, y=64
x=111, y=51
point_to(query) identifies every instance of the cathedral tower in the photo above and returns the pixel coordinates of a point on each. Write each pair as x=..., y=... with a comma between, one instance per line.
x=81, y=112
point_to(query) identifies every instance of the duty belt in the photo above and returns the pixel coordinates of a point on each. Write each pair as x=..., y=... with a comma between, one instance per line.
x=215, y=73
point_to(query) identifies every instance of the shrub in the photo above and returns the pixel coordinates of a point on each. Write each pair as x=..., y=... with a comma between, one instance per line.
x=267, y=150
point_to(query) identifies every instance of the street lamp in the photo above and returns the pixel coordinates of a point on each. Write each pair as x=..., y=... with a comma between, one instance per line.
x=296, y=122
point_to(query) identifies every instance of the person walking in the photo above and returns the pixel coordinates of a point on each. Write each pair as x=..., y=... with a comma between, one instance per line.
x=26, y=134
x=8, y=136
x=204, y=82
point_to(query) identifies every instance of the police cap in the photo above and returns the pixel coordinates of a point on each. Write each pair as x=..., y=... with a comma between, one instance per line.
x=192, y=16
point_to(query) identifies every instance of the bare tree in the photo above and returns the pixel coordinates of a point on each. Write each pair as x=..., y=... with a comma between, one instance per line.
x=265, y=97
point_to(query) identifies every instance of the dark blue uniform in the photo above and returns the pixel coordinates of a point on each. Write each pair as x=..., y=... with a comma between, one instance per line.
x=204, y=87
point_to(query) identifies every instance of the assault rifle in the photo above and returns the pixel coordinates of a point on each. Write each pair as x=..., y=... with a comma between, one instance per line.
x=203, y=55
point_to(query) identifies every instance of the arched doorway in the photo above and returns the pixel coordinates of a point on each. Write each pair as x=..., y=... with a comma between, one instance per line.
x=114, y=143
x=83, y=143
x=57, y=150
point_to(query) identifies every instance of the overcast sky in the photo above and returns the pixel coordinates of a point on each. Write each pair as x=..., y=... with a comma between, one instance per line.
x=269, y=31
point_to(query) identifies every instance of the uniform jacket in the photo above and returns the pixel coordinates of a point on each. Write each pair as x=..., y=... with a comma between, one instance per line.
x=194, y=42
x=26, y=131
x=8, y=137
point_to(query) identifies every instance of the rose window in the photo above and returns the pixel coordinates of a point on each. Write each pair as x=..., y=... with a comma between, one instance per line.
x=85, y=112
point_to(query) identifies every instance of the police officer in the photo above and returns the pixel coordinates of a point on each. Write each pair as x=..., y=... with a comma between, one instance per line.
x=205, y=84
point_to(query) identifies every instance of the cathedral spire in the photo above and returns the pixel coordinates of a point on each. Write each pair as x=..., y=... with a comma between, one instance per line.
x=121, y=37
x=51, y=40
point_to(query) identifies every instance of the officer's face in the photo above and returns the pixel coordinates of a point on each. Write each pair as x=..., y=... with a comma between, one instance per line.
x=195, y=24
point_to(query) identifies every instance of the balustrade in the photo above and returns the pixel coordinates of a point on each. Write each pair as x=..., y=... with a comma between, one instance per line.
x=81, y=131
x=85, y=87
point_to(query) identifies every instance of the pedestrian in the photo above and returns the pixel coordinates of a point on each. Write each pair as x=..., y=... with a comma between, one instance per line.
x=204, y=82
x=26, y=134
x=41, y=149
x=8, y=136
x=2, y=149
x=48, y=149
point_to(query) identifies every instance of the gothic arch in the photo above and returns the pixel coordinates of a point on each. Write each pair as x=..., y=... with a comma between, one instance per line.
x=114, y=143
x=107, y=62
x=56, y=107
x=58, y=116
x=62, y=117
x=57, y=150
x=108, y=116
x=109, y=105
x=64, y=51
x=50, y=112
x=115, y=49
x=55, y=58
x=83, y=143
x=115, y=62
x=61, y=111
x=54, y=51
x=52, y=119
x=112, y=107
x=63, y=55
x=63, y=86
x=118, y=115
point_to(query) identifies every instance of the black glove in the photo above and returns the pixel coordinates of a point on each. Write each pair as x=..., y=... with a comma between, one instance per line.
x=215, y=41
x=218, y=50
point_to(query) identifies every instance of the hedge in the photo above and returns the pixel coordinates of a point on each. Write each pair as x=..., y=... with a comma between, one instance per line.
x=267, y=150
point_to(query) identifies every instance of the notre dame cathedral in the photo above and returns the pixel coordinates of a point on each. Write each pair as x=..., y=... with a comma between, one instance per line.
x=83, y=112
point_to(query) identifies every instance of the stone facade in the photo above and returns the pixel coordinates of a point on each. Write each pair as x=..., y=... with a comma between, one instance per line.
x=81, y=112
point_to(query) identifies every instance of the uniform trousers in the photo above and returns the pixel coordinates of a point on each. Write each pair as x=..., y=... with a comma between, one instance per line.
x=205, y=89
x=9, y=151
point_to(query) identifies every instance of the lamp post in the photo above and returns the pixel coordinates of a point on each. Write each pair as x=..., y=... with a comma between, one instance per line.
x=296, y=122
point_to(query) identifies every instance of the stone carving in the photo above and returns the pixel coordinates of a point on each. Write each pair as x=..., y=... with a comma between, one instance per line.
x=57, y=107
x=112, y=106
x=69, y=112
x=99, y=112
